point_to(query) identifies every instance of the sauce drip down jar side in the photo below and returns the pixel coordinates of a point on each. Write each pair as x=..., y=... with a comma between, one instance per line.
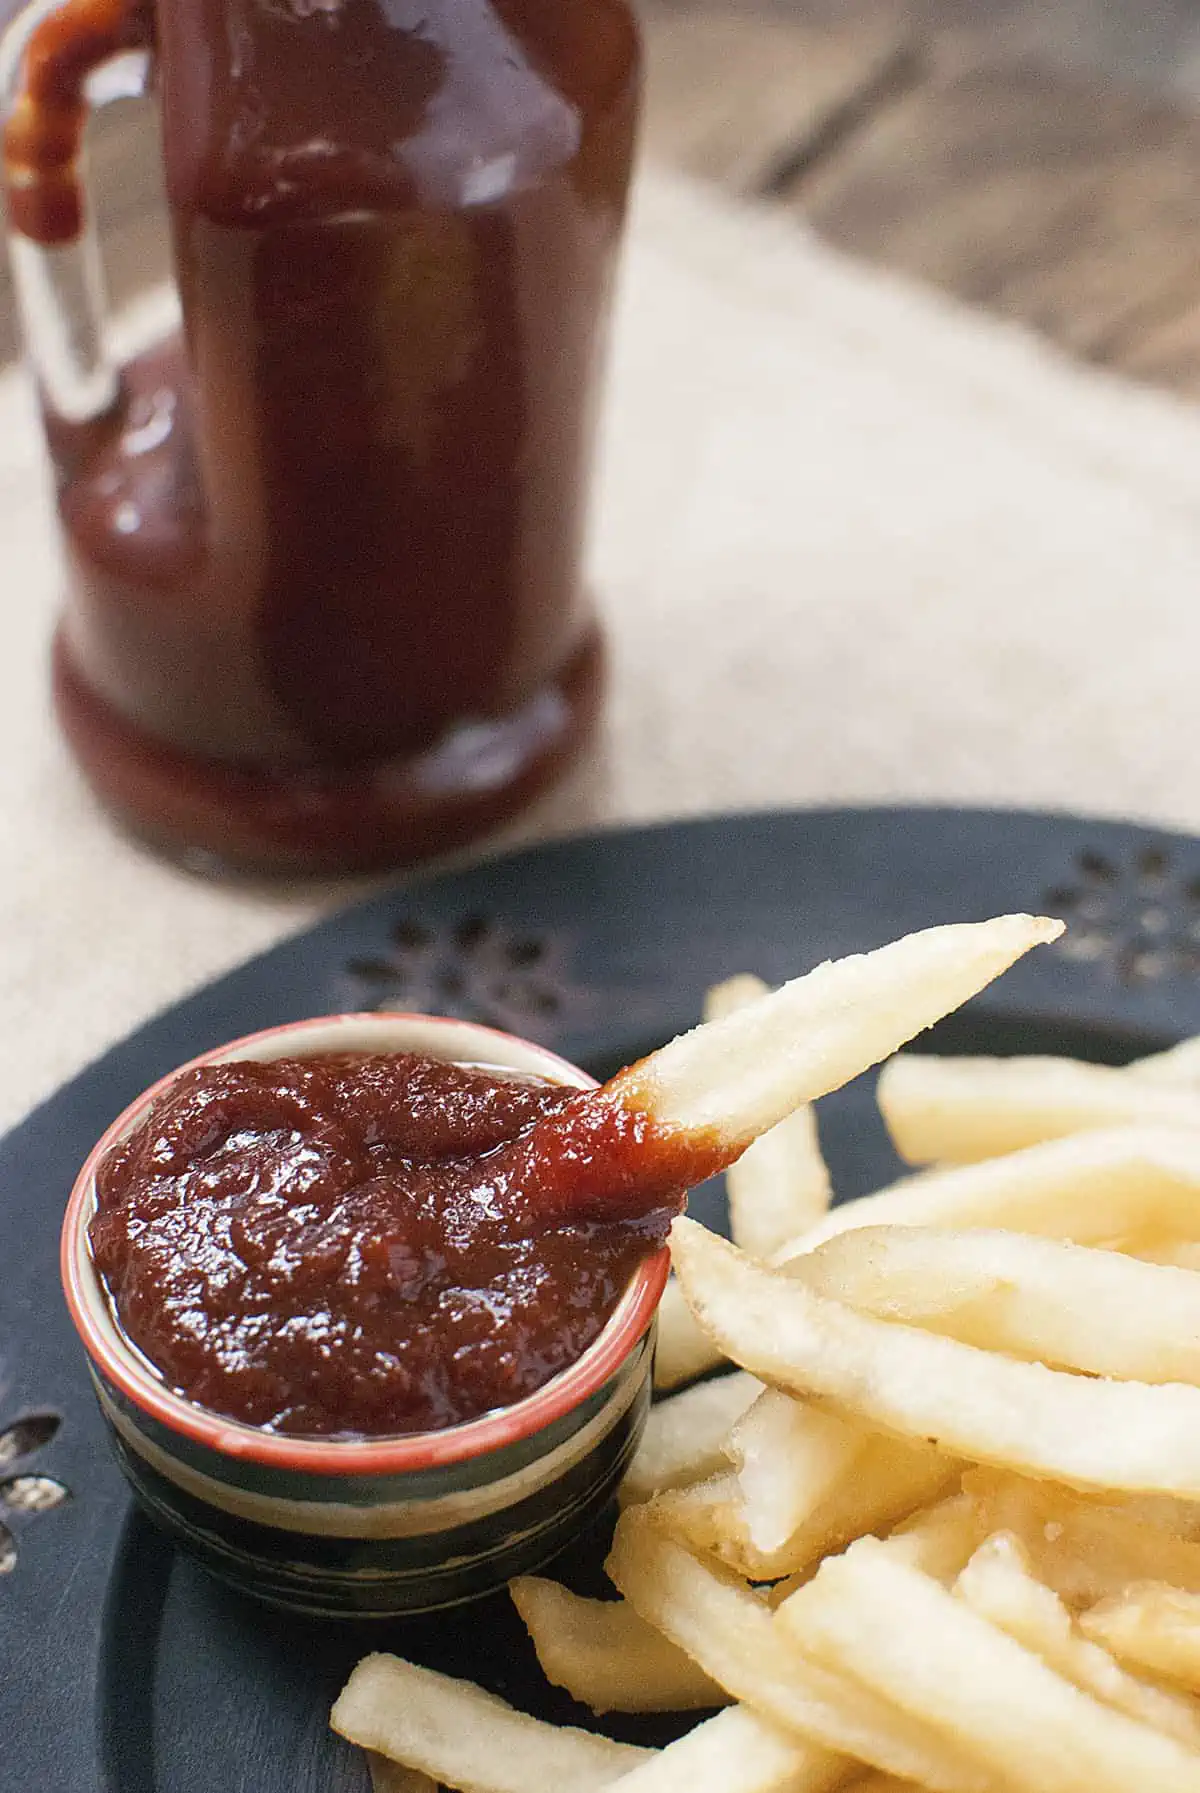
x=324, y=604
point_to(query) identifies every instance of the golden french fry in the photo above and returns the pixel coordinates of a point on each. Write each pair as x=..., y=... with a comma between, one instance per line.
x=734, y=993
x=1183, y=1254
x=873, y=1782
x=454, y=1732
x=1089, y=1187
x=394, y=1777
x=939, y=1540
x=886, y=1483
x=682, y=1350
x=688, y=1110
x=1163, y=1512
x=737, y=1752
x=959, y=1110
x=733, y=1079
x=707, y=1517
x=1151, y=1626
x=686, y=1435
x=902, y=1635
x=605, y=1654
x=1178, y=1065
x=999, y=1584
x=730, y=1632
x=1084, y=1548
x=970, y=1403
x=1045, y=1300
x=995, y=1367
x=890, y=1480
x=780, y=1184
x=789, y=1458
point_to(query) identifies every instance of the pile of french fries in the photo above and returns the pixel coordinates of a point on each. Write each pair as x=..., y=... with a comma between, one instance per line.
x=933, y=1518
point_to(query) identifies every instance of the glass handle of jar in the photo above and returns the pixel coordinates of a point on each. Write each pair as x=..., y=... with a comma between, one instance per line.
x=58, y=64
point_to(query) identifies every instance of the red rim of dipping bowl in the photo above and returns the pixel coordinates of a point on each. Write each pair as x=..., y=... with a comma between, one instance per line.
x=121, y=1365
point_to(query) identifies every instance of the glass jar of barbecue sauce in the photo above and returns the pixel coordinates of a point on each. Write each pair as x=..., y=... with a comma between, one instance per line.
x=323, y=547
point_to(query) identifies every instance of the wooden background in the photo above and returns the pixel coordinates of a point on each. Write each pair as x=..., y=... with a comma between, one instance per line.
x=1040, y=160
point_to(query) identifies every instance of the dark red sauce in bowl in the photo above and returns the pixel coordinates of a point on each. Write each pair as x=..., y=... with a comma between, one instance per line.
x=361, y=1244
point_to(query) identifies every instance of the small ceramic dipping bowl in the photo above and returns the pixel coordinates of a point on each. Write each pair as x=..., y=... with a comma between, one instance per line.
x=378, y=1526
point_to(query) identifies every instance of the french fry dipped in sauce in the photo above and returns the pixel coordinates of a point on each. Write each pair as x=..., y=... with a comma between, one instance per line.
x=384, y=1244
x=690, y=1109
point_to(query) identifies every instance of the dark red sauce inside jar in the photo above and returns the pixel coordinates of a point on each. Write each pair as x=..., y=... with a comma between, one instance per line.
x=377, y=1244
x=324, y=605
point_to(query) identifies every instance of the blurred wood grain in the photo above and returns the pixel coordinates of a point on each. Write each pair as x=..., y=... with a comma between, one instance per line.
x=1041, y=163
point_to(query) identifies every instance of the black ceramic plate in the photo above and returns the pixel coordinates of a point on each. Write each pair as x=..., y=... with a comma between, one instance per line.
x=121, y=1667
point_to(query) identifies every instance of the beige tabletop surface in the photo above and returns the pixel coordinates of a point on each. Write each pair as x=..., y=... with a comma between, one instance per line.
x=852, y=544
